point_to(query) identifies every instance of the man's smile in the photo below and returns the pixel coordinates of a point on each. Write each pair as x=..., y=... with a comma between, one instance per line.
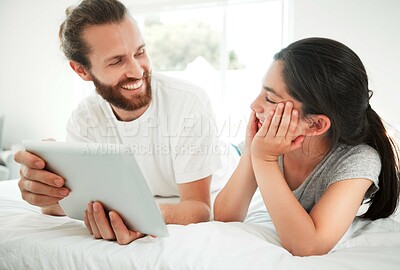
x=133, y=86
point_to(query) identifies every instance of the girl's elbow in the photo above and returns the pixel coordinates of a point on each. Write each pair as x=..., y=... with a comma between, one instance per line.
x=306, y=252
x=225, y=216
x=220, y=215
x=226, y=212
x=307, y=249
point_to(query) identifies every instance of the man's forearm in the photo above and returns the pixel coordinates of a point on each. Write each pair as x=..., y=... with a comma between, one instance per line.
x=186, y=212
x=54, y=210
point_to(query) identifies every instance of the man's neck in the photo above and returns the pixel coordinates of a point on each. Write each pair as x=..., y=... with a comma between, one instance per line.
x=127, y=116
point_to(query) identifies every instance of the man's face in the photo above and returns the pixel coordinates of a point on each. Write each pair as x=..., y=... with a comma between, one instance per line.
x=121, y=68
x=113, y=95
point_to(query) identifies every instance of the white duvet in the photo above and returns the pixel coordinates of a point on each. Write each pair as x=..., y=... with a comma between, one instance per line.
x=31, y=240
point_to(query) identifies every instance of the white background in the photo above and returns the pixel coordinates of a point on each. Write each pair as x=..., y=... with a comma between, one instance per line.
x=37, y=86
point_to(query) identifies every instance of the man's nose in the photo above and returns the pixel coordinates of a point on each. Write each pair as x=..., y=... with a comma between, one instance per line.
x=134, y=69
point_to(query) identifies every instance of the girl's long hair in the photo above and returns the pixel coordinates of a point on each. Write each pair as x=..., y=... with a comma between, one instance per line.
x=328, y=78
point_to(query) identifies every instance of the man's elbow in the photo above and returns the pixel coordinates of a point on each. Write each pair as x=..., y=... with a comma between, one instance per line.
x=203, y=214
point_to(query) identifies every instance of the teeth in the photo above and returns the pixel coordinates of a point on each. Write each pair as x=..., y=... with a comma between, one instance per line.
x=133, y=86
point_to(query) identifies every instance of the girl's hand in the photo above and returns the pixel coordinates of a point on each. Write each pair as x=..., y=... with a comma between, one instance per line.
x=277, y=135
x=252, y=128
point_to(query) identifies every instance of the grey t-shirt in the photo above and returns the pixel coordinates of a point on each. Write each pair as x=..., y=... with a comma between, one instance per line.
x=344, y=162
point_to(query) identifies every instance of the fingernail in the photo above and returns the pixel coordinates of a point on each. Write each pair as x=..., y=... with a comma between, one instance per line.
x=58, y=182
x=64, y=192
x=39, y=164
x=95, y=207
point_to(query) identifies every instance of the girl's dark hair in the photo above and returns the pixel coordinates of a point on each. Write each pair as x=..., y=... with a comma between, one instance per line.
x=328, y=78
x=87, y=13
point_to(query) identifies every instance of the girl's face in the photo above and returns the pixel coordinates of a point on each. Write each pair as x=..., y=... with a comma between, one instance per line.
x=272, y=93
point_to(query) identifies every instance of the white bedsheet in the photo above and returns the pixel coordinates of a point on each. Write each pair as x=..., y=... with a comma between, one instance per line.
x=31, y=240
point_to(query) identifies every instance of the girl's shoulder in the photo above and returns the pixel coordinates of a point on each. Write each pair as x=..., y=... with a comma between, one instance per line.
x=347, y=161
x=354, y=152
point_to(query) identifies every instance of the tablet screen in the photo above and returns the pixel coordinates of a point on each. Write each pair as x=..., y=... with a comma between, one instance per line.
x=107, y=173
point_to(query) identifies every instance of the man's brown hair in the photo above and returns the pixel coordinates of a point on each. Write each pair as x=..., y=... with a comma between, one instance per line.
x=87, y=13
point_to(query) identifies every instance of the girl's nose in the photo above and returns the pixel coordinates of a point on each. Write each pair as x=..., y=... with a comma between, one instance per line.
x=256, y=106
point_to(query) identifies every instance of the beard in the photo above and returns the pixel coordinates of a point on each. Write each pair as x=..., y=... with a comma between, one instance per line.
x=112, y=94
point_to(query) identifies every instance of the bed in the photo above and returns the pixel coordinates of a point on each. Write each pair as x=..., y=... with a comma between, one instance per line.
x=31, y=240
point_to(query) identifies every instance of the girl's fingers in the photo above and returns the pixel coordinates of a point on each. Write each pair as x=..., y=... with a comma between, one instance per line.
x=295, y=138
x=285, y=121
x=276, y=120
x=291, y=133
x=265, y=126
x=252, y=125
x=252, y=117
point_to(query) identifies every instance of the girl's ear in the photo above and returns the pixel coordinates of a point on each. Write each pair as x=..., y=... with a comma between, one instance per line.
x=319, y=124
x=80, y=70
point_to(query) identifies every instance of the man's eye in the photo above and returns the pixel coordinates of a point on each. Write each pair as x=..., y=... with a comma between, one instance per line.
x=140, y=52
x=270, y=101
x=116, y=62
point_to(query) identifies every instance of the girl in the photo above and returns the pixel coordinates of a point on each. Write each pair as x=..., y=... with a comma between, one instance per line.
x=315, y=149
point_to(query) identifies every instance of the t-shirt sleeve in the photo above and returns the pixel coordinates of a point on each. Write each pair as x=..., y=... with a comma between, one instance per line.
x=80, y=127
x=361, y=162
x=197, y=150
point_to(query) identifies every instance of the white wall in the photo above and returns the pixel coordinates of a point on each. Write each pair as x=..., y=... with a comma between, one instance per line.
x=36, y=83
x=372, y=29
x=35, y=79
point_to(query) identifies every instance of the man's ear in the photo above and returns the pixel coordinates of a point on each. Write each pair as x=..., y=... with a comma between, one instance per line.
x=80, y=70
x=319, y=124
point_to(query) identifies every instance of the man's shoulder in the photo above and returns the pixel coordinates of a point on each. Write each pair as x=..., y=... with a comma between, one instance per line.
x=173, y=85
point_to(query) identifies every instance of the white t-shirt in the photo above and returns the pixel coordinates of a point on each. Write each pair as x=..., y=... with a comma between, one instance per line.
x=174, y=141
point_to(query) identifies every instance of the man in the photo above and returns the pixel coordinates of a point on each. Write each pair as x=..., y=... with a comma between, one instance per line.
x=166, y=121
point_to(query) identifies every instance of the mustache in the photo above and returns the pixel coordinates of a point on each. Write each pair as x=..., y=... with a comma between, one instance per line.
x=145, y=76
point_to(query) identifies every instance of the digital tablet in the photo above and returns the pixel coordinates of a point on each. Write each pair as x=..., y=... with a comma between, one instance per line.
x=107, y=173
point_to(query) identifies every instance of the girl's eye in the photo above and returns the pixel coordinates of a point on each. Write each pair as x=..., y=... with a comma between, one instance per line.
x=270, y=101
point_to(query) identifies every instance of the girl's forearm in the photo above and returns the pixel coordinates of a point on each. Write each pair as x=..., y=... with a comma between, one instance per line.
x=294, y=225
x=234, y=199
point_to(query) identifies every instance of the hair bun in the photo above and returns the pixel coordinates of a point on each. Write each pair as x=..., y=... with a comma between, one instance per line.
x=69, y=11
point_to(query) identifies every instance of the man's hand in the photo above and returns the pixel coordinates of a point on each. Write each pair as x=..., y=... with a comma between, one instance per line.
x=100, y=226
x=38, y=186
x=194, y=206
